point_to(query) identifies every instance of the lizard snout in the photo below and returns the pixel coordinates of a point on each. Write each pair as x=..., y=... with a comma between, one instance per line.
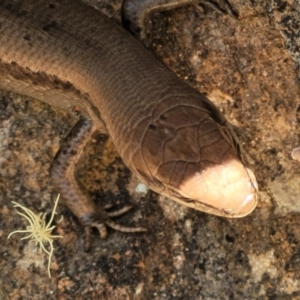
x=229, y=189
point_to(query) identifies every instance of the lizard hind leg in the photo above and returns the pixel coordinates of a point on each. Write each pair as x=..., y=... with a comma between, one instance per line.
x=136, y=13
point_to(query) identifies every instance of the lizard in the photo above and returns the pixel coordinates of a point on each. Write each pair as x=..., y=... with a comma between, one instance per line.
x=173, y=138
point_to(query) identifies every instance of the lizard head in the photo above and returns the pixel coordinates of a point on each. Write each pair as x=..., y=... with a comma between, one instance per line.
x=196, y=161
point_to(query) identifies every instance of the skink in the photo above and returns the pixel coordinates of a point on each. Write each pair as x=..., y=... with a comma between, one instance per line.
x=167, y=133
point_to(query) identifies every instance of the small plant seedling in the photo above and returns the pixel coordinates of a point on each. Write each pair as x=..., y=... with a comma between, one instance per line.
x=39, y=231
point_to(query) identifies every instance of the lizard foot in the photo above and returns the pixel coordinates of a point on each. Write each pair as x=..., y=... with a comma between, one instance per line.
x=106, y=221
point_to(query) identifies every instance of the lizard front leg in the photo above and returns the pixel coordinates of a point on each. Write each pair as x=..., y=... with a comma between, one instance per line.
x=75, y=196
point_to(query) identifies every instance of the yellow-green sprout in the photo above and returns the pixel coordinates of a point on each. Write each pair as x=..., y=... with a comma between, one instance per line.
x=39, y=231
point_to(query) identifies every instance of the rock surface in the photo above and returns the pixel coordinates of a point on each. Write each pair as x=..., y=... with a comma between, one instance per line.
x=250, y=69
